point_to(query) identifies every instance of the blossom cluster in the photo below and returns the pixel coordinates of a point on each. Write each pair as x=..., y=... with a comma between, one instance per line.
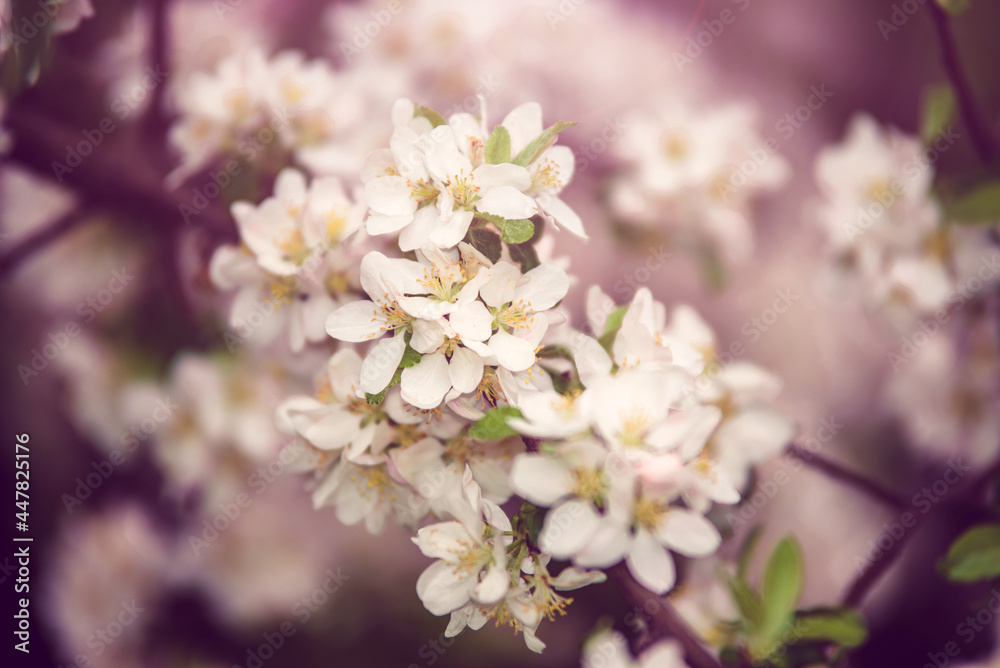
x=462, y=403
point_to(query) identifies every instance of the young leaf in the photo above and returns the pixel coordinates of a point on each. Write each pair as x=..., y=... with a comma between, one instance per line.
x=954, y=7
x=524, y=255
x=747, y=550
x=614, y=321
x=782, y=585
x=939, y=109
x=518, y=231
x=982, y=205
x=843, y=626
x=975, y=555
x=498, y=146
x=486, y=242
x=436, y=119
x=538, y=145
x=748, y=603
x=493, y=425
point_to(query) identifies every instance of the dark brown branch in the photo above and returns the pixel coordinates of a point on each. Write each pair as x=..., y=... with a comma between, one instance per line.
x=837, y=472
x=116, y=177
x=665, y=622
x=865, y=582
x=38, y=240
x=982, y=134
x=156, y=120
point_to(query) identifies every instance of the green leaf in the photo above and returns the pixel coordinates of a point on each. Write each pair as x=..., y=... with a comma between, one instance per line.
x=518, y=231
x=747, y=550
x=939, y=109
x=975, y=555
x=614, y=321
x=493, y=425
x=982, y=205
x=748, y=603
x=843, y=626
x=954, y=7
x=486, y=242
x=554, y=351
x=524, y=255
x=436, y=119
x=498, y=146
x=781, y=586
x=538, y=145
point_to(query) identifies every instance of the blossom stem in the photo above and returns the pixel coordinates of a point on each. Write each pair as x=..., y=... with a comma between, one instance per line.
x=664, y=622
x=982, y=136
x=837, y=472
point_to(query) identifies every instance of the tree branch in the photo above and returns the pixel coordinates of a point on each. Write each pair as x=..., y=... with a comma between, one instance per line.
x=835, y=471
x=862, y=585
x=40, y=239
x=665, y=622
x=982, y=134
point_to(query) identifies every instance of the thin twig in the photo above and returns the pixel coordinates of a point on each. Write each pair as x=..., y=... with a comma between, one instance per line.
x=982, y=135
x=530, y=443
x=41, y=238
x=837, y=472
x=860, y=587
x=665, y=622
x=156, y=120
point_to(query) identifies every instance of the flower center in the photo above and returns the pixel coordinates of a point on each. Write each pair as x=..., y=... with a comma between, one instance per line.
x=516, y=315
x=463, y=190
x=649, y=513
x=293, y=246
x=634, y=425
x=588, y=483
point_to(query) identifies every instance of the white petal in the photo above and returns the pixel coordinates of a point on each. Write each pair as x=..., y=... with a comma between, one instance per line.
x=355, y=321
x=543, y=287
x=651, y=564
x=508, y=202
x=442, y=590
x=380, y=364
x=506, y=174
x=562, y=214
x=425, y=383
x=472, y=321
x=567, y=528
x=540, y=479
x=514, y=353
x=442, y=540
x=689, y=533
x=493, y=587
x=390, y=196
x=465, y=370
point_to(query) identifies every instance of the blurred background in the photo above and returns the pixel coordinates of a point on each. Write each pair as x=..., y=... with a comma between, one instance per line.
x=166, y=530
